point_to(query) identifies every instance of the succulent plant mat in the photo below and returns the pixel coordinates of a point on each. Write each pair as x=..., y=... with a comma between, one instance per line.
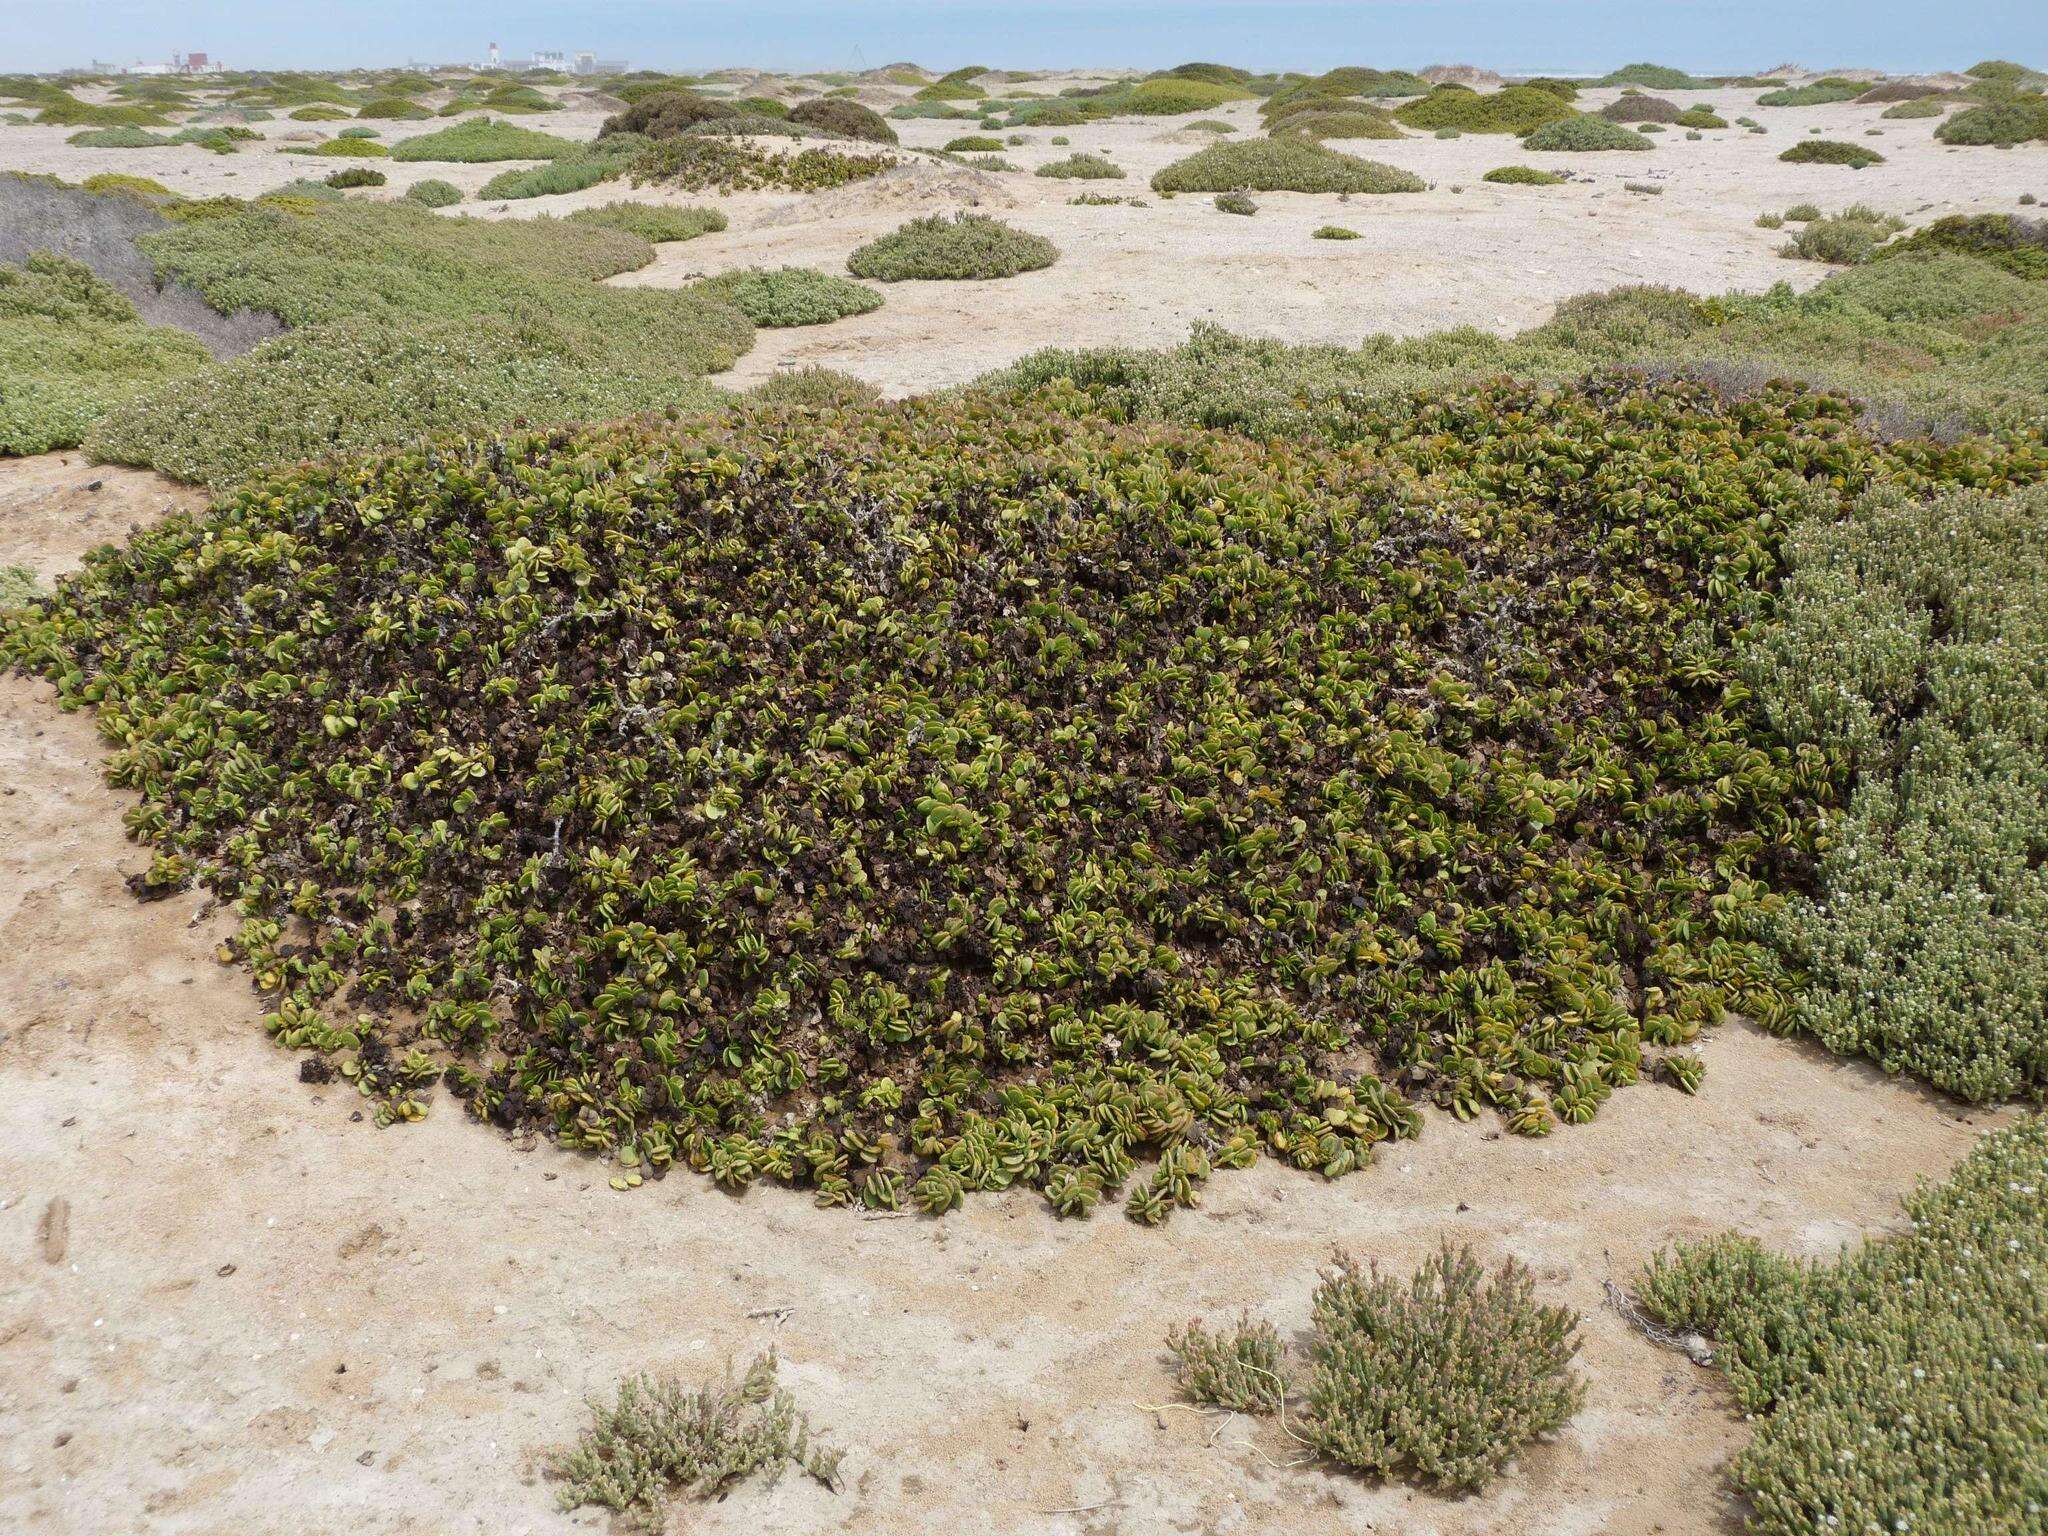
x=938, y=797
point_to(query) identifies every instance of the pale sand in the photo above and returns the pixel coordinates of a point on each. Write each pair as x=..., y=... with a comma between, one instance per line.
x=983, y=1369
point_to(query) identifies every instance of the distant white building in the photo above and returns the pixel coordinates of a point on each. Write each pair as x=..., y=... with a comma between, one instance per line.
x=550, y=58
x=181, y=64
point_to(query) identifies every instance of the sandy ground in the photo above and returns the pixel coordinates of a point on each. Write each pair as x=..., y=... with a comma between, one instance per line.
x=227, y=1306
x=1462, y=253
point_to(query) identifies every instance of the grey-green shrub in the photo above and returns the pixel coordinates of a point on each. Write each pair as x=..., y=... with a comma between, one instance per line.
x=1583, y=134
x=966, y=246
x=789, y=296
x=1083, y=167
x=1903, y=1388
x=1280, y=165
x=1524, y=176
x=656, y=223
x=434, y=193
x=1242, y=1368
x=1335, y=232
x=1910, y=652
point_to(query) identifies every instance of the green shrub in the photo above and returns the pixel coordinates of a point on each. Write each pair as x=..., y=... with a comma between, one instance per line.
x=1655, y=77
x=1339, y=125
x=1820, y=93
x=1524, y=176
x=789, y=296
x=1700, y=117
x=844, y=120
x=665, y=114
x=658, y=224
x=1280, y=165
x=1848, y=239
x=814, y=389
x=1831, y=152
x=1583, y=134
x=1638, y=108
x=1512, y=109
x=1442, y=1380
x=2002, y=71
x=1356, y=80
x=136, y=186
x=973, y=143
x=1208, y=125
x=2004, y=123
x=1924, y=106
x=434, y=193
x=1802, y=213
x=117, y=138
x=2017, y=245
x=392, y=109
x=952, y=90
x=1174, y=97
x=1908, y=655
x=18, y=585
x=320, y=114
x=1083, y=167
x=1563, y=90
x=1901, y=1388
x=1047, y=114
x=1237, y=203
x=1335, y=232
x=482, y=139
x=1214, y=74
x=1242, y=1369
x=966, y=246
x=71, y=349
x=704, y=164
x=660, y=1439
x=357, y=133
x=342, y=149
x=549, y=179
x=355, y=176
x=60, y=110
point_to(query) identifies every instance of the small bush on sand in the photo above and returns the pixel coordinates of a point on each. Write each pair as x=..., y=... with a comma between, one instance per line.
x=319, y=114
x=1700, y=117
x=1563, y=90
x=1654, y=77
x=973, y=144
x=789, y=296
x=665, y=114
x=1847, y=239
x=705, y=164
x=1365, y=124
x=343, y=149
x=843, y=120
x=1524, y=176
x=356, y=176
x=967, y=246
x=59, y=110
x=1280, y=165
x=1208, y=125
x=1802, y=213
x=1638, y=108
x=1242, y=1369
x=1237, y=203
x=1513, y=109
x=1173, y=97
x=1901, y=1388
x=2018, y=120
x=550, y=179
x=661, y=1439
x=1335, y=232
x=482, y=139
x=1083, y=167
x=1821, y=93
x=134, y=186
x=1583, y=135
x=1919, y=107
x=2018, y=245
x=655, y=223
x=434, y=193
x=1831, y=152
x=392, y=109
x=818, y=389
x=118, y=138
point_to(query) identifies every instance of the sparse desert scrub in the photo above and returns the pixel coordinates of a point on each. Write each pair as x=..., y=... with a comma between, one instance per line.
x=1638, y=108
x=1237, y=203
x=117, y=138
x=434, y=193
x=1654, y=77
x=2018, y=245
x=1562, y=89
x=1209, y=125
x=815, y=389
x=352, y=176
x=137, y=186
x=656, y=223
x=968, y=246
x=1700, y=117
x=1339, y=125
x=1846, y=239
x=1242, y=1368
x=1900, y=1388
x=1831, y=152
x=395, y=109
x=1919, y=107
x=1583, y=134
x=789, y=296
x=1820, y=93
x=1280, y=165
x=664, y=114
x=660, y=1440
x=708, y=164
x=483, y=139
x=1336, y=232
x=843, y=120
x=341, y=149
x=1083, y=167
x=1512, y=109
x=320, y=114
x=1524, y=176
x=973, y=143
x=1173, y=97
x=2017, y=120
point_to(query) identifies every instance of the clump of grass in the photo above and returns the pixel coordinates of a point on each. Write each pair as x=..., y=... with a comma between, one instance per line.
x=1901, y=1387
x=789, y=296
x=1237, y=203
x=434, y=193
x=967, y=246
x=1524, y=176
x=1240, y=1368
x=1831, y=152
x=659, y=1440
x=1083, y=167
x=1280, y=165
x=1583, y=134
x=655, y=223
x=1442, y=1380
x=1335, y=232
x=1513, y=109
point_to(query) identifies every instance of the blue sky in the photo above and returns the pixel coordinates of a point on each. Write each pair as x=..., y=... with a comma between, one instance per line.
x=1563, y=35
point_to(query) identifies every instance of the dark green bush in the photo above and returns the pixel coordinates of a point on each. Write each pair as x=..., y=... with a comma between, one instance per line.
x=434, y=193
x=704, y=164
x=1638, y=108
x=1655, y=77
x=1584, y=134
x=1280, y=165
x=355, y=176
x=1237, y=203
x=2018, y=120
x=1921, y=107
x=1831, y=152
x=664, y=114
x=1700, y=117
x=973, y=143
x=1339, y=125
x=1336, y=232
x=844, y=120
x=1524, y=176
x=391, y=109
x=1512, y=109
x=965, y=246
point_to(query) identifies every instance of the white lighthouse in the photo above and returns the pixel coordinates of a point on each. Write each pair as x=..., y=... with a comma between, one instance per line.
x=494, y=56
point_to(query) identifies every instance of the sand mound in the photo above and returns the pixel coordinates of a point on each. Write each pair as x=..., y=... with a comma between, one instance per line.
x=1463, y=74
x=912, y=187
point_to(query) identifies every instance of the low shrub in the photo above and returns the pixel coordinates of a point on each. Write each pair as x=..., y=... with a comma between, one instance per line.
x=973, y=143
x=664, y=114
x=1831, y=152
x=1208, y=125
x=658, y=224
x=2017, y=245
x=1339, y=125
x=661, y=1439
x=434, y=193
x=118, y=138
x=57, y=109
x=551, y=178
x=843, y=120
x=952, y=90
x=1563, y=90
x=1083, y=167
x=1512, y=109
x=1700, y=117
x=789, y=296
x=355, y=176
x=1169, y=97
x=1237, y=203
x=320, y=113
x=1655, y=77
x=2019, y=120
x=814, y=389
x=1524, y=176
x=967, y=246
x=480, y=140
x=1583, y=134
x=342, y=149
x=392, y=109
x=1820, y=93
x=1280, y=165
x=1848, y=239
x=1242, y=1369
x=1335, y=232
x=1920, y=107
x=1802, y=213
x=704, y=164
x=136, y=186
x=1901, y=1388
x=1638, y=108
